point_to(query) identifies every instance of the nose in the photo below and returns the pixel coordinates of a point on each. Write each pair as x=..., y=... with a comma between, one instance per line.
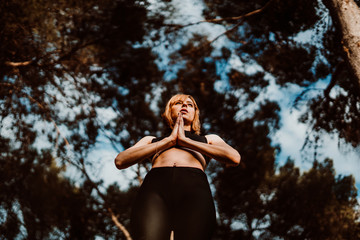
x=184, y=105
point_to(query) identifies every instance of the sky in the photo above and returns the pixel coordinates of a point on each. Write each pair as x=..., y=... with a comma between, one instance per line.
x=290, y=137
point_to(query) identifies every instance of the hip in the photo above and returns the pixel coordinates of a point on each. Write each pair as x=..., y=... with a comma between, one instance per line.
x=167, y=178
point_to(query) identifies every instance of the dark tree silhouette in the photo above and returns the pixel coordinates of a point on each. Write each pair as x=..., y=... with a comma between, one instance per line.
x=75, y=72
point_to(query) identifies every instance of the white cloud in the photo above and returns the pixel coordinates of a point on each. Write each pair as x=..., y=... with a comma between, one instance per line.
x=292, y=135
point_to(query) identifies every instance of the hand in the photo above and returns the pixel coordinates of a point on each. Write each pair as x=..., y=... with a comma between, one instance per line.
x=174, y=134
x=181, y=132
x=177, y=135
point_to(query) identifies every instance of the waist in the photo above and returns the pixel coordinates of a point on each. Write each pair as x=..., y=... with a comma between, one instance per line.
x=180, y=157
x=170, y=162
x=178, y=179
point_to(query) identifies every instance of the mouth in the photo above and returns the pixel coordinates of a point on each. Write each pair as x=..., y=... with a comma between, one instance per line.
x=183, y=111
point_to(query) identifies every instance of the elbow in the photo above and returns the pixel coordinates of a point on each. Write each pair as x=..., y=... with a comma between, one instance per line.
x=119, y=164
x=236, y=158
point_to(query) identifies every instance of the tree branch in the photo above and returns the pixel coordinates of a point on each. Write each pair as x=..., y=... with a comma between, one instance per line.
x=119, y=225
x=238, y=18
x=216, y=20
x=50, y=118
x=44, y=108
x=78, y=47
x=139, y=178
x=76, y=165
x=340, y=66
x=114, y=218
x=18, y=64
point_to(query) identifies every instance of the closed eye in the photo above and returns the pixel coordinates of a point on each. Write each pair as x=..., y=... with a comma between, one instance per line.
x=190, y=104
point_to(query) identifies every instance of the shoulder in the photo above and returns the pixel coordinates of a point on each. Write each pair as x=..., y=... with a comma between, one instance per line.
x=147, y=139
x=144, y=141
x=214, y=139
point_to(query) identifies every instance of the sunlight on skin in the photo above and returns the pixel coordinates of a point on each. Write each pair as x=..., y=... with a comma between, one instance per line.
x=291, y=135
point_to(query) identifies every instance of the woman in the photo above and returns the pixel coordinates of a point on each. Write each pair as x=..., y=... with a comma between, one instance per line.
x=175, y=194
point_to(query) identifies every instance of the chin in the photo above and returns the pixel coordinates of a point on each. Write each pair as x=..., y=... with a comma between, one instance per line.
x=186, y=120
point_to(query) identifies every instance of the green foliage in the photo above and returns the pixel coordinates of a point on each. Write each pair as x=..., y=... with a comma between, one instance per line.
x=286, y=18
x=60, y=63
x=267, y=38
x=310, y=206
x=289, y=205
x=73, y=72
x=35, y=197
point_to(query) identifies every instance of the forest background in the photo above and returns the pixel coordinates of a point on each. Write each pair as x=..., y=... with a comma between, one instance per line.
x=83, y=80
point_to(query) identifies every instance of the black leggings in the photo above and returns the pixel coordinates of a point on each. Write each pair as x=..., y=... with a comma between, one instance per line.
x=173, y=198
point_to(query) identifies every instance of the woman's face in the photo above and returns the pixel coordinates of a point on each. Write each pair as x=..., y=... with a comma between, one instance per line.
x=186, y=107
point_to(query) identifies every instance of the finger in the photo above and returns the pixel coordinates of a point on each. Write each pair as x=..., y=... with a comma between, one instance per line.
x=181, y=125
x=176, y=126
x=179, y=118
x=182, y=120
x=177, y=122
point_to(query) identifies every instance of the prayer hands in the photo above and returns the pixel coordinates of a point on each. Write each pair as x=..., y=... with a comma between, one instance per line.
x=178, y=132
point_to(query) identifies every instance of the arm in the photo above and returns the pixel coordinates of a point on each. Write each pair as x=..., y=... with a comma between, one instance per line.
x=141, y=150
x=216, y=148
x=144, y=148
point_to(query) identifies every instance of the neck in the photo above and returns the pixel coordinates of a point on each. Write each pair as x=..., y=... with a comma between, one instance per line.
x=187, y=128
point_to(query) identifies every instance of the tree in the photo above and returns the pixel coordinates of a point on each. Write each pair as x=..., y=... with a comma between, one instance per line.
x=61, y=63
x=73, y=73
x=37, y=202
x=346, y=14
x=289, y=205
x=245, y=196
x=313, y=204
x=265, y=34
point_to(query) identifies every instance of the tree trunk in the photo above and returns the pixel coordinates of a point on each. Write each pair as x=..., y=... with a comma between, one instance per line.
x=119, y=225
x=346, y=15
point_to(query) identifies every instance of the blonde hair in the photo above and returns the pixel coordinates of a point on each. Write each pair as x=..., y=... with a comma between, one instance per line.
x=195, y=125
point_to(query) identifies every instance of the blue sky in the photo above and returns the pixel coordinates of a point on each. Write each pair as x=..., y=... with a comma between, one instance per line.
x=291, y=135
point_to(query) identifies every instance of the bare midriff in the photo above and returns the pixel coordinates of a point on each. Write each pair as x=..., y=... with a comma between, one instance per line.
x=179, y=157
